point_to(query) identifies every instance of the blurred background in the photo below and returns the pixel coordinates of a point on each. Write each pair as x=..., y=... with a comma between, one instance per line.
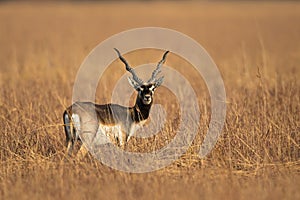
x=256, y=46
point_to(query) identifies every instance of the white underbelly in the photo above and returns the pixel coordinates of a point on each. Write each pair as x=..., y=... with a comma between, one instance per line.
x=109, y=130
x=106, y=134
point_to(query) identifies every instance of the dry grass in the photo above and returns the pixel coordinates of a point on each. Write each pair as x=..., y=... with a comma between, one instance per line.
x=257, y=49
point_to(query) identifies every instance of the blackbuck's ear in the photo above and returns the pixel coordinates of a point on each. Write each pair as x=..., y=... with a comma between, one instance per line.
x=158, y=82
x=134, y=84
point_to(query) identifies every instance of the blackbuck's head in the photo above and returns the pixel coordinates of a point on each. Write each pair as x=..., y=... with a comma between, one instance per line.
x=145, y=89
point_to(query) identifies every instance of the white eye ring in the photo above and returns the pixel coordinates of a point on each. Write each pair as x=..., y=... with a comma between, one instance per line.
x=152, y=88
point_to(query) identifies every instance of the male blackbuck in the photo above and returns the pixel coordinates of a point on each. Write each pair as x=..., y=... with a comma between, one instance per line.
x=87, y=117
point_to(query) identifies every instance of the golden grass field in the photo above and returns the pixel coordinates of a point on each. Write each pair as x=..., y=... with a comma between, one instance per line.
x=256, y=47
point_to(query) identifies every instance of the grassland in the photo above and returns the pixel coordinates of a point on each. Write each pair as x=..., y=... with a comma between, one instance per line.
x=257, y=49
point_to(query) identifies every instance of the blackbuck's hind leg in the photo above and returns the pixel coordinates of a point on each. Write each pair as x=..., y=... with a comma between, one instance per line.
x=81, y=152
x=89, y=140
x=87, y=136
x=69, y=145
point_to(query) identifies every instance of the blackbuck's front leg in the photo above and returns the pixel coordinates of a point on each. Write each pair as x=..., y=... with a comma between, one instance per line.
x=130, y=132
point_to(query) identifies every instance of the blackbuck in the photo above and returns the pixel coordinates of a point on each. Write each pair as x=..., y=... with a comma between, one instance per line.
x=87, y=117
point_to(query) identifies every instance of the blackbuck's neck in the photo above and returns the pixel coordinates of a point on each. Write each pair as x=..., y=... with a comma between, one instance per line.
x=141, y=110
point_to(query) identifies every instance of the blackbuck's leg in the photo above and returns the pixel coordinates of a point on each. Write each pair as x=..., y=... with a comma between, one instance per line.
x=90, y=127
x=81, y=152
x=117, y=136
x=130, y=132
x=120, y=137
